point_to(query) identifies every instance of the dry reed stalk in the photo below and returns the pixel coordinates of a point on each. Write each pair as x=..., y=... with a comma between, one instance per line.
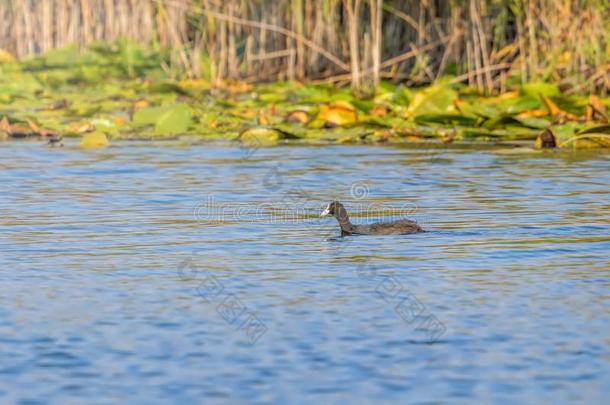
x=352, y=9
x=480, y=41
x=376, y=7
x=562, y=40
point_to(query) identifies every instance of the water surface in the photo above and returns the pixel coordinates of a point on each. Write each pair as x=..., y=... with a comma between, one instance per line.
x=159, y=273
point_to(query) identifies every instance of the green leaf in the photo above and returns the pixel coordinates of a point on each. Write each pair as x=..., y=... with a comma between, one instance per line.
x=436, y=99
x=147, y=116
x=448, y=119
x=271, y=98
x=532, y=122
x=175, y=120
x=599, y=129
x=535, y=89
x=509, y=120
x=168, y=87
x=94, y=140
x=403, y=95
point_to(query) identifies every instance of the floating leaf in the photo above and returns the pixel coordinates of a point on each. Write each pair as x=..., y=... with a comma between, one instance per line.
x=589, y=141
x=168, y=87
x=476, y=108
x=403, y=96
x=566, y=131
x=168, y=120
x=36, y=129
x=447, y=119
x=147, y=115
x=94, y=140
x=379, y=111
x=537, y=89
x=348, y=139
x=234, y=86
x=560, y=115
x=436, y=99
x=533, y=114
x=360, y=105
x=596, y=129
x=519, y=105
x=174, y=120
x=509, y=120
x=255, y=137
x=85, y=110
x=534, y=123
x=377, y=121
x=5, y=125
x=337, y=115
x=271, y=98
x=17, y=130
x=297, y=117
x=80, y=127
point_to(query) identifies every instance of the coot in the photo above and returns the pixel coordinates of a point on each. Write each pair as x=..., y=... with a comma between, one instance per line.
x=400, y=227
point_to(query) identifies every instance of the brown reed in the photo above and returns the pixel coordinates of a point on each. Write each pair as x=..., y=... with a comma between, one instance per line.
x=488, y=44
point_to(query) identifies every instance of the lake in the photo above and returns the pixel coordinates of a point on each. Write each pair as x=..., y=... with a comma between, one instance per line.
x=158, y=272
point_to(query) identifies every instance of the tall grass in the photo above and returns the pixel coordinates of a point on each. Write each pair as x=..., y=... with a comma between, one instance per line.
x=489, y=44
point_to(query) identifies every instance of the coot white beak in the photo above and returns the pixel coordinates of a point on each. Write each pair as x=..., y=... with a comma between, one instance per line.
x=326, y=211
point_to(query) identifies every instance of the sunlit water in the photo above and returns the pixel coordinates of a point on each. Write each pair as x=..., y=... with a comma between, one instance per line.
x=165, y=272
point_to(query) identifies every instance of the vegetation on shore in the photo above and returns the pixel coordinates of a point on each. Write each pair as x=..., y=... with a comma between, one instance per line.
x=491, y=45
x=122, y=91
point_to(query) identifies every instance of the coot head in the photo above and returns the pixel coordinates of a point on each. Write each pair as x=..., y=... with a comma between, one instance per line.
x=334, y=209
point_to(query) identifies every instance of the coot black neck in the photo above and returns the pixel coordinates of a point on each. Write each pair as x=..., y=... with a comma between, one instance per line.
x=344, y=223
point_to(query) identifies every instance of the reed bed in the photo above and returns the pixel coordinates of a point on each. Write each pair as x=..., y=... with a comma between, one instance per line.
x=489, y=44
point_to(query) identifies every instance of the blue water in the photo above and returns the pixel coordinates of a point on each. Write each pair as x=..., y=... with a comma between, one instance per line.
x=156, y=273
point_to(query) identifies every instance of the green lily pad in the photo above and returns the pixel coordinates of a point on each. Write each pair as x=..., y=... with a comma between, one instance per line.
x=596, y=129
x=447, y=119
x=168, y=87
x=436, y=99
x=147, y=115
x=168, y=120
x=175, y=120
x=509, y=120
x=535, y=89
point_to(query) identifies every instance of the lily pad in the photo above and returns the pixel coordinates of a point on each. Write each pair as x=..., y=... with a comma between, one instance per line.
x=174, y=120
x=168, y=120
x=436, y=99
x=447, y=119
x=336, y=115
x=510, y=120
x=599, y=129
x=147, y=115
x=260, y=136
x=94, y=140
x=297, y=117
x=536, y=89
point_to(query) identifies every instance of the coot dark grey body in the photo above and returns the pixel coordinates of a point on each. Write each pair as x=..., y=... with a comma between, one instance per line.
x=401, y=227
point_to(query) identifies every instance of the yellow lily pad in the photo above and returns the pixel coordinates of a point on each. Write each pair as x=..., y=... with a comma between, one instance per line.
x=337, y=115
x=297, y=117
x=255, y=137
x=94, y=140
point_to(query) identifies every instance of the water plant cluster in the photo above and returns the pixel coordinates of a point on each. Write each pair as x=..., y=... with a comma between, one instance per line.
x=120, y=91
